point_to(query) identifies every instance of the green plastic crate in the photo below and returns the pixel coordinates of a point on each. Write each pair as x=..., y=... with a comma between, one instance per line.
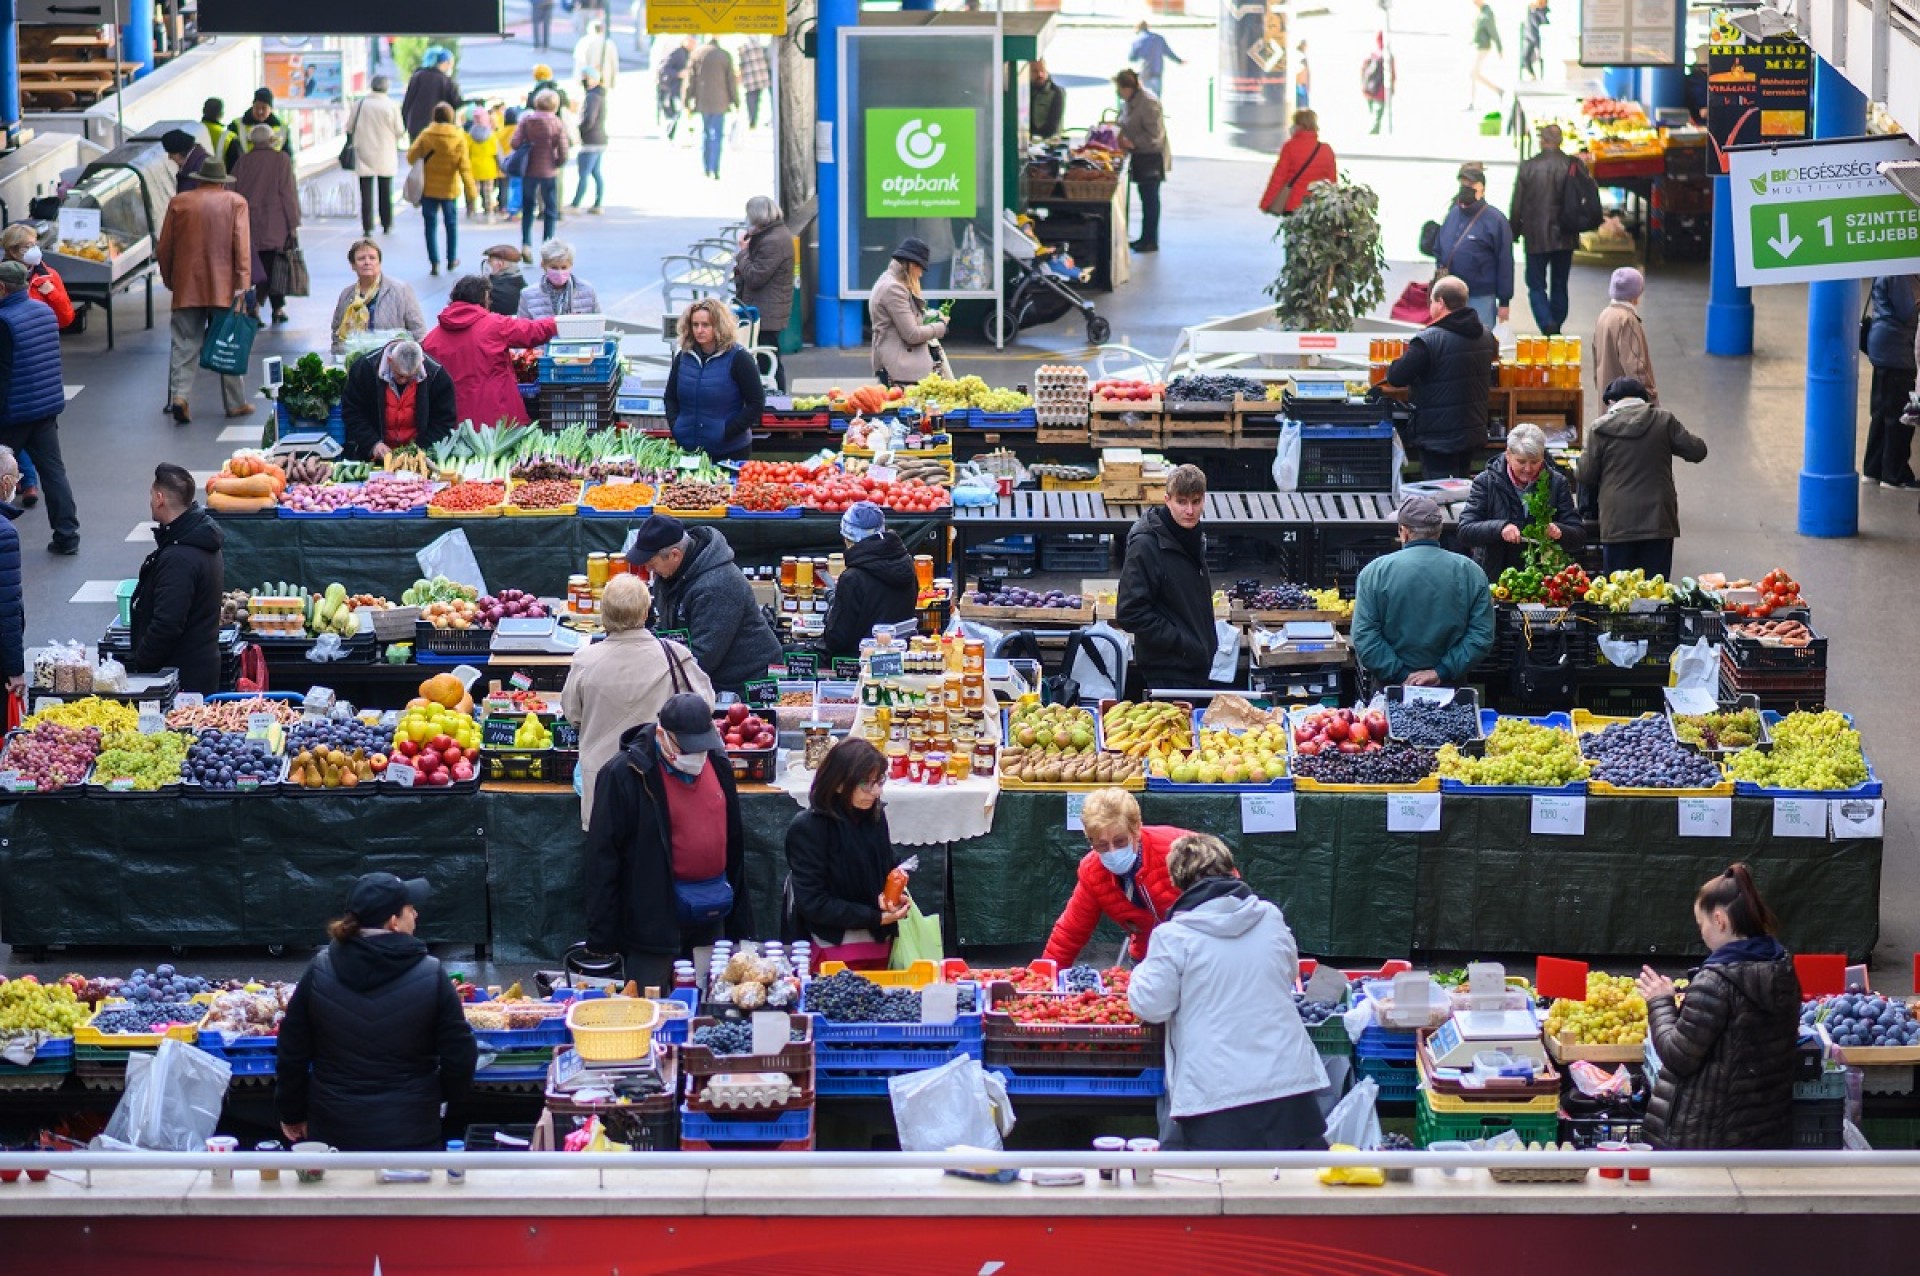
x=1891, y=1134
x=1432, y=1127
x=1330, y=1038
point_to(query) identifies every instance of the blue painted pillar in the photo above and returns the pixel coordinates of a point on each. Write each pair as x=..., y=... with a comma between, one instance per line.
x=1618, y=82
x=836, y=323
x=1729, y=306
x=911, y=6
x=136, y=35
x=1667, y=85
x=1829, y=489
x=9, y=76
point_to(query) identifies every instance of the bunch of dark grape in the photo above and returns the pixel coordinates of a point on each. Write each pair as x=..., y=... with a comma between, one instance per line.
x=1395, y=764
x=1280, y=596
x=1314, y=1013
x=1082, y=979
x=1432, y=725
x=729, y=1036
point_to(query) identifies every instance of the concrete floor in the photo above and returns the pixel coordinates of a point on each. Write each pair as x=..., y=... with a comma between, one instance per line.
x=1737, y=508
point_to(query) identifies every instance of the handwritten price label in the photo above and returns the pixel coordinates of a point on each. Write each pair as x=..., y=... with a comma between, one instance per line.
x=1800, y=817
x=1075, y=801
x=1558, y=816
x=1413, y=812
x=1266, y=813
x=1706, y=817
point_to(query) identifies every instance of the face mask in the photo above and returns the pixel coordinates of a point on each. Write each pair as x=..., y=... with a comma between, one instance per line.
x=558, y=278
x=1467, y=197
x=32, y=256
x=1120, y=861
x=689, y=763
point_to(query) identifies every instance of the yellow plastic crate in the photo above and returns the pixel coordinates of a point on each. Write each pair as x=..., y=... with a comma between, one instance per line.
x=918, y=975
x=88, y=1035
x=1585, y=723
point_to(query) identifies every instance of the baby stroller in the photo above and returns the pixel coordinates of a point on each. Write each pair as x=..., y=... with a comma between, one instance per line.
x=1038, y=291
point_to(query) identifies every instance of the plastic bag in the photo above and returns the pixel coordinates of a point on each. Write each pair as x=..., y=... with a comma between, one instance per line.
x=1355, y=1121
x=917, y=938
x=958, y=1104
x=1625, y=653
x=1697, y=667
x=1097, y=658
x=172, y=1102
x=970, y=273
x=451, y=556
x=109, y=675
x=1286, y=458
x=327, y=647
x=1226, y=651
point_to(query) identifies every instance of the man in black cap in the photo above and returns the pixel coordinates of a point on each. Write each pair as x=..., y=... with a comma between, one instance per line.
x=186, y=156
x=666, y=867
x=903, y=328
x=700, y=591
x=374, y=1042
x=501, y=265
x=1422, y=616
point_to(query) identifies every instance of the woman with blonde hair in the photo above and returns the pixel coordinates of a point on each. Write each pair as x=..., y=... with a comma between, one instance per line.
x=372, y=302
x=1123, y=877
x=622, y=681
x=1241, y=1071
x=714, y=396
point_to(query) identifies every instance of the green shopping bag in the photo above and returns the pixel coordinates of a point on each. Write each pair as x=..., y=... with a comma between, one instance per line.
x=229, y=343
x=917, y=938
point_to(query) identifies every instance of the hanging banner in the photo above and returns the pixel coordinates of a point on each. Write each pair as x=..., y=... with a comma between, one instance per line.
x=716, y=17
x=1821, y=210
x=308, y=77
x=1757, y=90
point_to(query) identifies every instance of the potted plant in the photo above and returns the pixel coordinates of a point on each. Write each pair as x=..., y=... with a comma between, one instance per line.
x=310, y=396
x=1334, y=270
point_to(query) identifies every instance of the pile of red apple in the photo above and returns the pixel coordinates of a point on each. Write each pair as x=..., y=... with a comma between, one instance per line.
x=742, y=728
x=1340, y=731
x=437, y=763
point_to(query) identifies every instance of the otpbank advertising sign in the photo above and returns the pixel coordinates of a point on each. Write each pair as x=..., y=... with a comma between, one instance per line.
x=920, y=162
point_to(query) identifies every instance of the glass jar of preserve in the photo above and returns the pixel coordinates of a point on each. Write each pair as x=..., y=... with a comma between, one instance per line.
x=973, y=693
x=959, y=765
x=974, y=657
x=984, y=757
x=819, y=742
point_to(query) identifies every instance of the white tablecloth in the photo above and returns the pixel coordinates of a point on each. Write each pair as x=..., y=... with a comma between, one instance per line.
x=917, y=814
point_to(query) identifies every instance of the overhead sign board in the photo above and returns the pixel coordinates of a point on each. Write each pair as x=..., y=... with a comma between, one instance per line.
x=1630, y=33
x=1757, y=90
x=716, y=17
x=348, y=17
x=1821, y=210
x=920, y=163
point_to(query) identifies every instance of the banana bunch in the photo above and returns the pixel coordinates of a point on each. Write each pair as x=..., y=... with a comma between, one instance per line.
x=1151, y=730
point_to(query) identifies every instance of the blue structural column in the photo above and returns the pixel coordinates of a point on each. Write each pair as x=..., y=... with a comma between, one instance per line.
x=1729, y=306
x=1666, y=86
x=9, y=75
x=136, y=35
x=1829, y=490
x=836, y=323
x=1618, y=81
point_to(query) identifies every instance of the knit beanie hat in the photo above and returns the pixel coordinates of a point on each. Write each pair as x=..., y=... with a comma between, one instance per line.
x=1627, y=284
x=864, y=519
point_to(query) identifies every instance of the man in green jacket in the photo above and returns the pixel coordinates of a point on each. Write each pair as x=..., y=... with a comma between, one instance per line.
x=1421, y=616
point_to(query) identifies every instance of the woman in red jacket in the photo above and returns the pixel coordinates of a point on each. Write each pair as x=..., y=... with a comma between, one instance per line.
x=1123, y=876
x=473, y=344
x=1304, y=160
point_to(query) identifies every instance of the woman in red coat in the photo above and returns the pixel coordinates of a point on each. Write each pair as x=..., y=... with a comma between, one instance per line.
x=1123, y=876
x=1304, y=160
x=471, y=343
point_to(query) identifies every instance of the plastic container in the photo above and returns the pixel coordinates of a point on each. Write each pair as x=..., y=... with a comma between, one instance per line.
x=787, y=1127
x=612, y=1029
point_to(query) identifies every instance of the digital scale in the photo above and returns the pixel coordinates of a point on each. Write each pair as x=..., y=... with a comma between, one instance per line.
x=1471, y=1032
x=1320, y=383
x=534, y=635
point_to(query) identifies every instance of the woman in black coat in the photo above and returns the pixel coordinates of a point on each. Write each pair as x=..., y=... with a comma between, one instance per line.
x=374, y=1040
x=632, y=904
x=1496, y=509
x=377, y=384
x=839, y=854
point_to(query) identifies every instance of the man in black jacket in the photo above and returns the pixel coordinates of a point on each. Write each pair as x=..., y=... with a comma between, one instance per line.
x=176, y=605
x=1448, y=367
x=1538, y=190
x=1165, y=598
x=878, y=586
x=402, y=380
x=502, y=269
x=374, y=1041
x=700, y=589
x=666, y=864
x=431, y=85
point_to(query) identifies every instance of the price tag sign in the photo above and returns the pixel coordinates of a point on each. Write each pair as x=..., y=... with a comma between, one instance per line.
x=889, y=664
x=521, y=680
x=1800, y=817
x=692, y=462
x=401, y=773
x=1075, y=801
x=260, y=723
x=120, y=786
x=939, y=1003
x=617, y=480
x=881, y=473
x=1266, y=813
x=1857, y=817
x=77, y=225
x=1413, y=812
x=1706, y=817
x=846, y=668
x=43, y=703
x=1558, y=815
x=762, y=693
x=10, y=781
x=152, y=722
x=246, y=784
x=1426, y=695
x=189, y=700
x=804, y=665
x=772, y=1031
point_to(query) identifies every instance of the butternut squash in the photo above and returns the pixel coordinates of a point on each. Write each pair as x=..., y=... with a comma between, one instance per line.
x=226, y=503
x=252, y=485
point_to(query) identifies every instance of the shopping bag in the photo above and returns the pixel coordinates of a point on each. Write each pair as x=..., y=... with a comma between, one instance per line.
x=1696, y=666
x=299, y=282
x=172, y=1101
x=1412, y=304
x=1355, y=1120
x=916, y=938
x=228, y=343
x=970, y=273
x=958, y=1104
x=452, y=556
x=1226, y=651
x=414, y=188
x=1286, y=458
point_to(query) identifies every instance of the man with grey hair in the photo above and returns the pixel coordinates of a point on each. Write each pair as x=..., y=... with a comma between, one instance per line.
x=1495, y=526
x=396, y=398
x=1448, y=371
x=13, y=603
x=1421, y=616
x=1538, y=191
x=699, y=591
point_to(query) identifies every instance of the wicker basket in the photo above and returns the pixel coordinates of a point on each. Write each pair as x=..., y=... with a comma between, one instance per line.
x=612, y=1029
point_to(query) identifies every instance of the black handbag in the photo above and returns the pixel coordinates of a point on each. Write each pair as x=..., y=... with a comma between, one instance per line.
x=1542, y=668
x=347, y=153
x=1430, y=239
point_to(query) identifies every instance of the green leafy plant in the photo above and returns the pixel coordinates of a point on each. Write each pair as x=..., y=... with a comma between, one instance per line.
x=1543, y=554
x=1335, y=266
x=311, y=388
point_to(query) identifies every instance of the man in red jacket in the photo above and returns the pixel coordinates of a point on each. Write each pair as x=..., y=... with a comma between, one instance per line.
x=1123, y=876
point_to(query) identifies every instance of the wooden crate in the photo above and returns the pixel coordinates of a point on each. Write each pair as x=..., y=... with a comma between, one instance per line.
x=1077, y=435
x=1133, y=429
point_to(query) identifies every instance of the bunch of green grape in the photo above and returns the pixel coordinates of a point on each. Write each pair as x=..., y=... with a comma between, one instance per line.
x=1520, y=754
x=1614, y=1014
x=148, y=760
x=26, y=1004
x=1738, y=729
x=1810, y=751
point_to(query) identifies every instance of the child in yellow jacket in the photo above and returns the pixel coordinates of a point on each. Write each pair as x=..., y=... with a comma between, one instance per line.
x=481, y=125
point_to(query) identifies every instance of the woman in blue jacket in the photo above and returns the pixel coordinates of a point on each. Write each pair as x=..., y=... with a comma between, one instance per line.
x=714, y=396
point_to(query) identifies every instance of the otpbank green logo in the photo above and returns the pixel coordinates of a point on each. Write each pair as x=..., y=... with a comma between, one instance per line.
x=920, y=163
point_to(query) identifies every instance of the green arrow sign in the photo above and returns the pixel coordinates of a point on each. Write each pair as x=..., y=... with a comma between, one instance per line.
x=1835, y=231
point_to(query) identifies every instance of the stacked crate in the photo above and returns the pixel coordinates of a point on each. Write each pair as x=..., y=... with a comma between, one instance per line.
x=1084, y=1060
x=857, y=1059
x=710, y=1126
x=579, y=391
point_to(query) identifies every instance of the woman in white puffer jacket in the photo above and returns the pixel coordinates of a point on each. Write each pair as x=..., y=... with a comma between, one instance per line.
x=1220, y=970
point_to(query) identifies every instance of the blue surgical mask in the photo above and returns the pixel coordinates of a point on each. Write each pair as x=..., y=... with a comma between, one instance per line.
x=1121, y=860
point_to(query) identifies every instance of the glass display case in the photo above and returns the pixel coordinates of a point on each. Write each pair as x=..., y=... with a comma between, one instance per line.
x=128, y=187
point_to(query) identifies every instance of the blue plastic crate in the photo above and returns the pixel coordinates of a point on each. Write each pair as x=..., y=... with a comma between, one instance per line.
x=1383, y=1043
x=831, y=1061
x=54, y=1048
x=1149, y=1084
x=598, y=372
x=1871, y=789
x=1398, y=1082
x=965, y=1029
x=554, y=1034
x=786, y=1127
x=335, y=426
x=842, y=1085
x=740, y=512
x=213, y=1043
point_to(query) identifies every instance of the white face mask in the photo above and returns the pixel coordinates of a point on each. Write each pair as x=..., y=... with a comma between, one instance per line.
x=1121, y=860
x=32, y=256
x=689, y=763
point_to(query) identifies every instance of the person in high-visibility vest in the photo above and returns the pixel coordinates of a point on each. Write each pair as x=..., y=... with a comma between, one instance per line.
x=240, y=139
